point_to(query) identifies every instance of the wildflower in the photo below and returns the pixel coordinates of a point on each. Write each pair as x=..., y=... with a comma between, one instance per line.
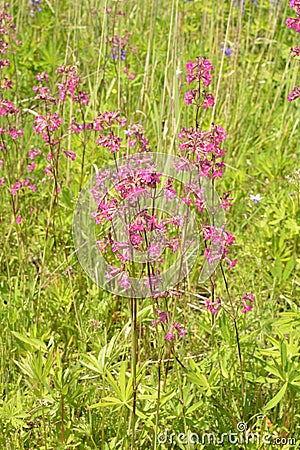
x=48, y=170
x=208, y=101
x=295, y=93
x=35, y=6
x=113, y=272
x=34, y=153
x=42, y=77
x=230, y=263
x=295, y=51
x=247, y=307
x=190, y=96
x=124, y=281
x=170, y=336
x=179, y=328
x=163, y=317
x=19, y=219
x=17, y=186
x=213, y=307
x=256, y=198
x=294, y=23
x=170, y=193
x=31, y=167
x=199, y=70
x=1, y=181
x=70, y=155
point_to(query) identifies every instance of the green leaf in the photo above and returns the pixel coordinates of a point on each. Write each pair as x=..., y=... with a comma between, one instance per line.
x=194, y=407
x=108, y=401
x=32, y=342
x=278, y=397
x=288, y=269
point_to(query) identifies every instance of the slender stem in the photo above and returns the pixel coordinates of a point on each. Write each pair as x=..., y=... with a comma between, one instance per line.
x=157, y=405
x=133, y=307
x=238, y=343
x=62, y=419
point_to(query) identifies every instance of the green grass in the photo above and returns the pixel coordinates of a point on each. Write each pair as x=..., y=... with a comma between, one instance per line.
x=66, y=370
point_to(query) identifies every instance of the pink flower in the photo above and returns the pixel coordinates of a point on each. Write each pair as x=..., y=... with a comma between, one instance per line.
x=295, y=51
x=31, y=167
x=170, y=336
x=112, y=272
x=124, y=281
x=14, y=133
x=19, y=219
x=42, y=77
x=41, y=124
x=213, y=306
x=1, y=181
x=163, y=317
x=208, y=101
x=247, y=307
x=48, y=170
x=173, y=244
x=179, y=328
x=199, y=70
x=189, y=97
x=294, y=23
x=17, y=186
x=34, y=153
x=230, y=263
x=70, y=155
x=295, y=93
x=294, y=4
x=111, y=141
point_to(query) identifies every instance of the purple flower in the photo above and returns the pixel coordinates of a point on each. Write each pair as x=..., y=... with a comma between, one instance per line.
x=256, y=198
x=35, y=6
x=247, y=307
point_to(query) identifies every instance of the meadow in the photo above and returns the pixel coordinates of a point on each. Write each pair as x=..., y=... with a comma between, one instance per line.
x=166, y=316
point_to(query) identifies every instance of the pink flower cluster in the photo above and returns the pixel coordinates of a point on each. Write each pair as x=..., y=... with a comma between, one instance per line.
x=199, y=71
x=136, y=138
x=105, y=122
x=69, y=86
x=247, y=301
x=220, y=240
x=202, y=149
x=20, y=184
x=294, y=22
x=164, y=318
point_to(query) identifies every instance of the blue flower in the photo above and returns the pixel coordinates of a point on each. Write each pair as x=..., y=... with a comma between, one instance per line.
x=256, y=198
x=35, y=6
x=117, y=52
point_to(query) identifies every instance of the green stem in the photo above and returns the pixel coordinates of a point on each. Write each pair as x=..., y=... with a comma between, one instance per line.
x=133, y=307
